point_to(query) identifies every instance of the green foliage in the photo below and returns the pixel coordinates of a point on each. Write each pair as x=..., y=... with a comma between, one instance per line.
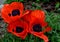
x=54, y=21
x=57, y=5
x=9, y=1
x=35, y=6
x=37, y=1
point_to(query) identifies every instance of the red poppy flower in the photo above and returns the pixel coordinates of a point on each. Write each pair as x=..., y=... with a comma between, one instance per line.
x=12, y=12
x=18, y=28
x=37, y=23
x=36, y=28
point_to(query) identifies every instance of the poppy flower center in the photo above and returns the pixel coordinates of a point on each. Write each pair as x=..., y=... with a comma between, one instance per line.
x=15, y=12
x=19, y=29
x=37, y=28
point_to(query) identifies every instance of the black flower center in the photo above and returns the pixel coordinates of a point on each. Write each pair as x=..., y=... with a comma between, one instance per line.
x=19, y=29
x=37, y=28
x=15, y=12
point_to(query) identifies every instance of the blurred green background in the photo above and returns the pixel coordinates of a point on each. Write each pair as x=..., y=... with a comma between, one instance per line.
x=52, y=11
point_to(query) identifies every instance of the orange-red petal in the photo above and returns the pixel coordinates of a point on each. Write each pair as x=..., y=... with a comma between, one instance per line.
x=38, y=14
